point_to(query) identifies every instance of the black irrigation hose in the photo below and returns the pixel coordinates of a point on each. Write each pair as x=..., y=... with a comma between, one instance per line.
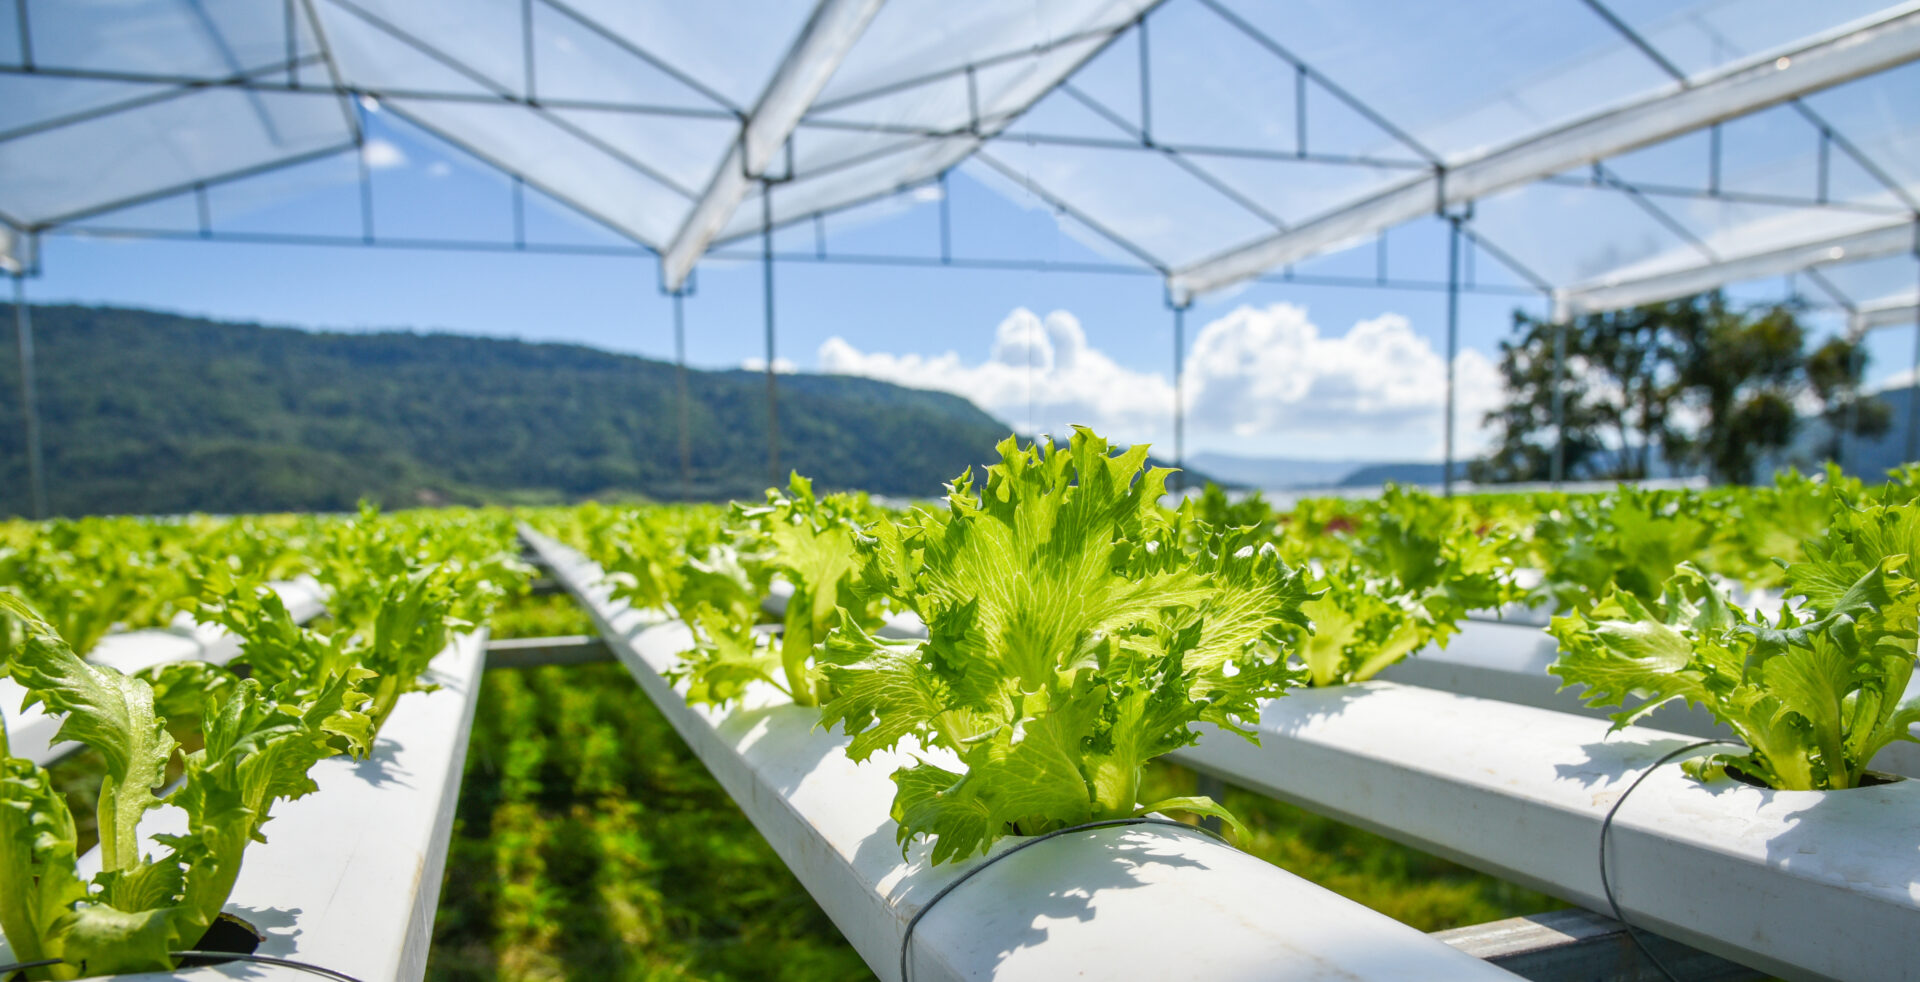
x=211, y=956
x=228, y=956
x=906, y=941
x=1606, y=825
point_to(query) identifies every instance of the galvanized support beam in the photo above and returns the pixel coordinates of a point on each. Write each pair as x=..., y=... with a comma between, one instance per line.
x=680, y=393
x=1614, y=293
x=1564, y=945
x=773, y=385
x=29, y=402
x=828, y=37
x=1913, y=388
x=1558, y=469
x=1861, y=48
x=1890, y=312
x=1179, y=396
x=1453, y=346
x=568, y=649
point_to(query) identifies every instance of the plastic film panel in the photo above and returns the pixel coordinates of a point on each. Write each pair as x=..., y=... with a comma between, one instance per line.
x=730, y=46
x=1139, y=196
x=201, y=137
x=1699, y=38
x=1463, y=80
x=562, y=164
x=28, y=101
x=923, y=161
x=1533, y=224
x=483, y=36
x=913, y=38
x=206, y=39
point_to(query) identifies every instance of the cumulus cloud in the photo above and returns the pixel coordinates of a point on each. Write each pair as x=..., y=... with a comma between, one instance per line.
x=1261, y=370
x=1256, y=372
x=381, y=154
x=1046, y=360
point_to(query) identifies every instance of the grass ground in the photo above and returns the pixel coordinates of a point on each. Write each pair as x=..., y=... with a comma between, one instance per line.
x=590, y=844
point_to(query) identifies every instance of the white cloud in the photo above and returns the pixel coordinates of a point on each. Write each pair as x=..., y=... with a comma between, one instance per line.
x=439, y=168
x=381, y=154
x=1255, y=373
x=1068, y=380
x=1264, y=370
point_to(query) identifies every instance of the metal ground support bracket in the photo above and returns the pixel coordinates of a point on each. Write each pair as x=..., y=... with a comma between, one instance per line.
x=1565, y=945
x=567, y=649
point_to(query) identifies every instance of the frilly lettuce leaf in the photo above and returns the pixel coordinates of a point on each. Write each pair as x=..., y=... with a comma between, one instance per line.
x=1815, y=691
x=1072, y=637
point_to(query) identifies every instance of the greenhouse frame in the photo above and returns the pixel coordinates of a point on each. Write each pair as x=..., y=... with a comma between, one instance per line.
x=1699, y=146
x=1592, y=154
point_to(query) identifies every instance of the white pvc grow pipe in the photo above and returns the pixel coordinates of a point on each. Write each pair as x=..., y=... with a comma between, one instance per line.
x=1508, y=662
x=349, y=877
x=30, y=732
x=1134, y=902
x=1798, y=884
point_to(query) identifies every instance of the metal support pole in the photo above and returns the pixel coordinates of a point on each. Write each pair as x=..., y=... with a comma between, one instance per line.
x=29, y=404
x=773, y=393
x=1913, y=389
x=1179, y=397
x=1557, y=472
x=680, y=382
x=1453, y=343
x=1856, y=367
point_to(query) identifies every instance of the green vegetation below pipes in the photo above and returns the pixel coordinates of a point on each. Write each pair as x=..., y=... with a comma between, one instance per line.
x=590, y=844
x=1410, y=886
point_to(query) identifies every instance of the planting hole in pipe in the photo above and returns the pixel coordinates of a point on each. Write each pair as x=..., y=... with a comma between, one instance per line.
x=1869, y=779
x=228, y=934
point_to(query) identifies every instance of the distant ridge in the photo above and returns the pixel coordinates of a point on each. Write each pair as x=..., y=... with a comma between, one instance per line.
x=153, y=412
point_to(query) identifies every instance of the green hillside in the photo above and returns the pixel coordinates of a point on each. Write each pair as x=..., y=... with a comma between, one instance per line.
x=151, y=412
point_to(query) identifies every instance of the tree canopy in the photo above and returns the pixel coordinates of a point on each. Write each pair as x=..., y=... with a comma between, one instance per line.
x=1699, y=384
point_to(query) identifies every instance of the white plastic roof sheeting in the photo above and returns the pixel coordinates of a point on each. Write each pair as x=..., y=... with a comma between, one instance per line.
x=1614, y=151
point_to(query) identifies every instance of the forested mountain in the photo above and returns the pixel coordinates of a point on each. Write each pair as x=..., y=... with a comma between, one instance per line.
x=151, y=412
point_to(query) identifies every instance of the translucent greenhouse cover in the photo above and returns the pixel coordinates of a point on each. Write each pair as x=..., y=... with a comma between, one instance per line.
x=1609, y=151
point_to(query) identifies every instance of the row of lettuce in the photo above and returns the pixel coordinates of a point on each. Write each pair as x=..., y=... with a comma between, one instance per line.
x=1022, y=647
x=1063, y=627
x=222, y=743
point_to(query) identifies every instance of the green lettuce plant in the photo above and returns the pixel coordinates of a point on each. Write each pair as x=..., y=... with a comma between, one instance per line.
x=1815, y=691
x=1071, y=639
x=258, y=748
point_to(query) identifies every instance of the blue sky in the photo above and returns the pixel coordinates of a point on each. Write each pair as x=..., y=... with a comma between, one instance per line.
x=1295, y=369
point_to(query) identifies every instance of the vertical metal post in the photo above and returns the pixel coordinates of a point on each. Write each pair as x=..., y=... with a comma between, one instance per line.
x=1453, y=343
x=526, y=45
x=1179, y=397
x=946, y=222
x=680, y=383
x=1557, y=471
x=519, y=212
x=29, y=403
x=366, y=182
x=1913, y=389
x=1146, y=88
x=1856, y=365
x=773, y=389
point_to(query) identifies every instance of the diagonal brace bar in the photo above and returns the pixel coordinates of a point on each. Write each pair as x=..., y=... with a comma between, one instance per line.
x=1886, y=40
x=827, y=39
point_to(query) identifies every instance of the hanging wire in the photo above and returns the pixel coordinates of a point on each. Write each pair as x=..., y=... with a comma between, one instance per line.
x=206, y=957
x=906, y=941
x=1606, y=825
